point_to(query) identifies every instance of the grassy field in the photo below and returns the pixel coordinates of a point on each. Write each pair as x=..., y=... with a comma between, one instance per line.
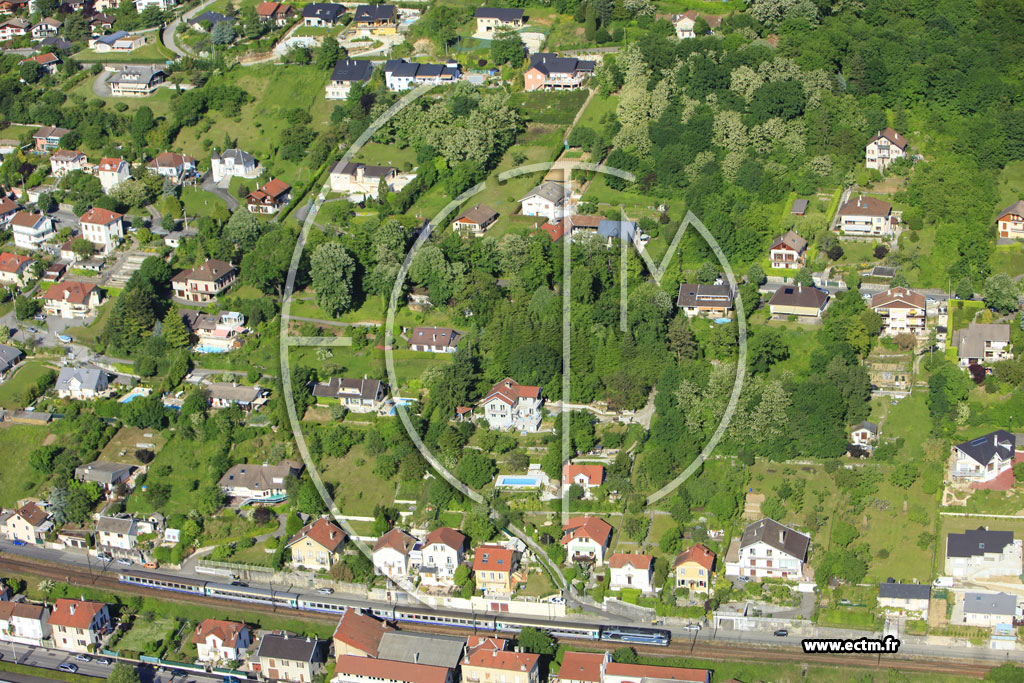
x=87, y=335
x=559, y=108
x=150, y=53
x=17, y=477
x=598, y=107
x=126, y=440
x=1010, y=186
x=14, y=387
x=198, y=202
x=145, y=633
x=357, y=489
x=1008, y=259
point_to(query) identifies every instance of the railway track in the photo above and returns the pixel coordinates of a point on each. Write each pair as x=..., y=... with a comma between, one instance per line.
x=718, y=651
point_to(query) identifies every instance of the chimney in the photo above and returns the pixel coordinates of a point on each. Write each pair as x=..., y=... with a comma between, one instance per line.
x=416, y=658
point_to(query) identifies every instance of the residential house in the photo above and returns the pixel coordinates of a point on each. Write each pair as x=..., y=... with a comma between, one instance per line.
x=865, y=434
x=493, y=20
x=8, y=207
x=510, y=405
x=10, y=356
x=31, y=229
x=105, y=229
x=988, y=610
x=788, y=251
x=883, y=149
x=275, y=12
x=139, y=81
x=270, y=198
x=346, y=73
x=23, y=623
x=708, y=301
x=46, y=27
x=360, y=181
x=548, y=71
x=84, y=384
x=211, y=19
x=392, y=554
x=770, y=549
x=982, y=344
x=220, y=641
x=116, y=533
x=258, y=483
x=12, y=28
x=610, y=230
x=54, y=272
x=118, y=41
x=322, y=14
x=282, y=657
x=48, y=138
x=588, y=477
x=902, y=310
x=203, y=284
x=866, y=217
x=112, y=172
x=1010, y=221
x=357, y=395
x=55, y=43
x=234, y=163
x=629, y=570
x=15, y=268
x=109, y=475
x=317, y=546
x=494, y=569
x=177, y=167
x=215, y=332
x=48, y=62
x=684, y=23
x=475, y=221
x=799, y=207
x=443, y=551
x=549, y=199
x=102, y=22
x=71, y=299
x=904, y=598
x=162, y=5
x=434, y=339
x=227, y=394
x=584, y=667
x=694, y=568
x=79, y=625
x=12, y=6
x=618, y=672
x=586, y=539
x=981, y=553
x=376, y=19
x=401, y=75
x=804, y=303
x=983, y=458
x=358, y=634
x=353, y=669
x=28, y=524
x=500, y=666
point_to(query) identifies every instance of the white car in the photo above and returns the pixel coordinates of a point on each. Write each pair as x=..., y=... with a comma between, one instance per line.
x=103, y=557
x=125, y=563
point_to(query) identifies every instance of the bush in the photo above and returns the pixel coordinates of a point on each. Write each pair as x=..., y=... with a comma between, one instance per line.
x=144, y=455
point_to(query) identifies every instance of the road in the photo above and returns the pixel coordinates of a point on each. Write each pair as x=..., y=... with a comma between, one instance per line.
x=167, y=36
x=50, y=659
x=99, y=85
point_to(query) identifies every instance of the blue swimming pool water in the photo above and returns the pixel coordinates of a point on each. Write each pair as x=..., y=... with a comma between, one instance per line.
x=129, y=398
x=520, y=481
x=210, y=349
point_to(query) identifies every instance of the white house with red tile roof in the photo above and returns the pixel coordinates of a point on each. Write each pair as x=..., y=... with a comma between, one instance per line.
x=203, y=284
x=587, y=476
x=102, y=227
x=788, y=251
x=177, y=167
x=221, y=641
x=511, y=405
x=270, y=198
x=8, y=207
x=352, y=669
x=434, y=339
x=112, y=172
x=443, y=552
x=902, y=310
x=866, y=217
x=14, y=268
x=500, y=666
x=77, y=624
x=619, y=672
x=684, y=23
x=358, y=634
x=393, y=553
x=1010, y=221
x=883, y=149
x=48, y=61
x=494, y=568
x=31, y=229
x=23, y=623
x=630, y=570
x=71, y=299
x=583, y=667
x=586, y=539
x=29, y=523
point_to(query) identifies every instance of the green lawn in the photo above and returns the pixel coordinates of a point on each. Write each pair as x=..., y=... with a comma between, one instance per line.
x=402, y=158
x=18, y=479
x=357, y=489
x=89, y=334
x=1010, y=186
x=145, y=634
x=198, y=202
x=598, y=107
x=14, y=387
x=152, y=52
x=1008, y=259
x=559, y=108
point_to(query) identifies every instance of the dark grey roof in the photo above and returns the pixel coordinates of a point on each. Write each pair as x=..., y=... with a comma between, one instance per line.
x=970, y=342
x=883, y=271
x=499, y=13
x=976, y=542
x=102, y=472
x=990, y=603
x=708, y=295
x=550, y=63
x=9, y=356
x=351, y=167
x=421, y=648
x=351, y=70
x=549, y=190
x=112, y=38
x=905, y=591
x=349, y=387
x=213, y=17
x=56, y=42
x=799, y=206
x=133, y=73
x=998, y=444
x=624, y=230
x=327, y=11
x=870, y=426
x=293, y=648
x=374, y=12
x=115, y=525
x=778, y=536
x=238, y=155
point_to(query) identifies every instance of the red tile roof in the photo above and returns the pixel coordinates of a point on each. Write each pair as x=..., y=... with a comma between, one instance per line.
x=474, y=643
x=171, y=160
x=361, y=631
x=593, y=473
x=865, y=206
x=73, y=292
x=266, y=9
x=641, y=671
x=98, y=216
x=226, y=631
x=110, y=163
x=510, y=391
x=32, y=513
x=892, y=136
x=7, y=205
x=699, y=554
x=502, y=659
x=593, y=528
x=493, y=558
x=390, y=670
x=554, y=230
x=74, y=613
x=12, y=263
x=581, y=666
x=324, y=532
x=620, y=560
x=276, y=187
x=450, y=537
x=396, y=539
x=899, y=297
x=26, y=219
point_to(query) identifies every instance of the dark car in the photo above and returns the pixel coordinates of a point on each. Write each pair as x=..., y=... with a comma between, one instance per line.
x=782, y=633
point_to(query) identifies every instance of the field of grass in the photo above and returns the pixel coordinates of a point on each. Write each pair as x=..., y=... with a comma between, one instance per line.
x=962, y=315
x=559, y=108
x=14, y=387
x=375, y=153
x=198, y=202
x=357, y=489
x=1010, y=186
x=1008, y=259
x=126, y=440
x=89, y=334
x=598, y=107
x=18, y=479
x=145, y=633
x=152, y=52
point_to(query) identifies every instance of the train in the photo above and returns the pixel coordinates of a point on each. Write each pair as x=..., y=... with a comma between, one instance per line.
x=495, y=622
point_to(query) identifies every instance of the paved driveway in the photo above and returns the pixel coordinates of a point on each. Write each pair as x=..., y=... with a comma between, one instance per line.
x=99, y=85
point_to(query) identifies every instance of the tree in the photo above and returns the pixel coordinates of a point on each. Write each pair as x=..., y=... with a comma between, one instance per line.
x=536, y=641
x=332, y=271
x=142, y=123
x=223, y=33
x=25, y=308
x=767, y=348
x=507, y=47
x=904, y=475
x=1001, y=293
x=328, y=53
x=244, y=229
x=965, y=289
x=30, y=71
x=209, y=499
x=175, y=334
x=123, y=673
x=755, y=275
x=83, y=248
x=475, y=469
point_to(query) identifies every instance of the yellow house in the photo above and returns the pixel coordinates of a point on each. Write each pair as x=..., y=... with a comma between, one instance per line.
x=492, y=569
x=28, y=524
x=693, y=569
x=317, y=545
x=381, y=20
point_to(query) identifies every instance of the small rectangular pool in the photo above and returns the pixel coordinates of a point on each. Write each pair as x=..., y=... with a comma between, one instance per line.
x=518, y=482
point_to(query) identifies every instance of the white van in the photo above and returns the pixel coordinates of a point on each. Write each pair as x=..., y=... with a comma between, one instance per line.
x=943, y=582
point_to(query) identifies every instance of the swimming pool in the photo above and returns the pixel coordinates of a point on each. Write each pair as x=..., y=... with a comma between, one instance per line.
x=210, y=349
x=134, y=394
x=518, y=482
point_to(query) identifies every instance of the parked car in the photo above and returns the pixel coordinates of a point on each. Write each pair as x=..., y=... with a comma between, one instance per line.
x=693, y=627
x=781, y=633
x=104, y=661
x=83, y=658
x=124, y=563
x=64, y=338
x=18, y=541
x=40, y=317
x=104, y=557
x=324, y=591
x=151, y=565
x=68, y=667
